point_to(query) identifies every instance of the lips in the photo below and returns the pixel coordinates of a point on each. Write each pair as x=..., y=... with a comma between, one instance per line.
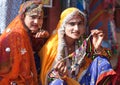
x=75, y=33
x=35, y=26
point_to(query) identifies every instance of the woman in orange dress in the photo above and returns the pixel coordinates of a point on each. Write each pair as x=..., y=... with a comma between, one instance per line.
x=17, y=64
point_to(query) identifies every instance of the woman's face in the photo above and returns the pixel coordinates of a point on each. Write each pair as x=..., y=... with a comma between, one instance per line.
x=75, y=27
x=33, y=21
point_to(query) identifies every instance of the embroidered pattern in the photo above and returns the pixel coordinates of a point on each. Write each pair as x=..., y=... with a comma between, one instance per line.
x=23, y=51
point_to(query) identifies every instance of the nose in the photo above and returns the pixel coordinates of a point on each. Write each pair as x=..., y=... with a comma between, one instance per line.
x=76, y=27
x=36, y=21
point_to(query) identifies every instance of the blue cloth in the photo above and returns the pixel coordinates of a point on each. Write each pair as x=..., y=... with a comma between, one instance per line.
x=80, y=5
x=96, y=68
x=58, y=82
x=37, y=62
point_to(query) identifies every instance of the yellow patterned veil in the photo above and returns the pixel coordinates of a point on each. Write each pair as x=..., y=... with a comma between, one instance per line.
x=49, y=51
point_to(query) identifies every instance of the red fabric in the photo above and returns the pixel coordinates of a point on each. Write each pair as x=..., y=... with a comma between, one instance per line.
x=37, y=43
x=116, y=78
x=117, y=19
x=17, y=63
x=16, y=55
x=106, y=74
x=99, y=13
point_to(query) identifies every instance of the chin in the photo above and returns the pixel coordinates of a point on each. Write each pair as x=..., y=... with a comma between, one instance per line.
x=33, y=31
x=76, y=37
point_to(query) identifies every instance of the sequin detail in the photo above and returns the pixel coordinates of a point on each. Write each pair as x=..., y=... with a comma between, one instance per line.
x=23, y=51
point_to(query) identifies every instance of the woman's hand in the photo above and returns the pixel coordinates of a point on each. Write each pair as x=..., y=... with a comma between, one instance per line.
x=98, y=36
x=42, y=34
x=61, y=68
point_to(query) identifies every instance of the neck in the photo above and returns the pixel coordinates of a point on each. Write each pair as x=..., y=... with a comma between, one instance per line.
x=69, y=41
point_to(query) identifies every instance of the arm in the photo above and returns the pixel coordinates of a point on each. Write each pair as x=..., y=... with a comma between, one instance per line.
x=97, y=39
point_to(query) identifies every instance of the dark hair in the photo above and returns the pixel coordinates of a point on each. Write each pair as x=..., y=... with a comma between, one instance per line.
x=32, y=6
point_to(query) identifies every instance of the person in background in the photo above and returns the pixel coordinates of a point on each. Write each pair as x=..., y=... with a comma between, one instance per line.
x=33, y=20
x=19, y=43
x=70, y=57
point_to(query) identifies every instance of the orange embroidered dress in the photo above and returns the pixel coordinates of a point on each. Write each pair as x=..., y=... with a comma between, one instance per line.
x=17, y=63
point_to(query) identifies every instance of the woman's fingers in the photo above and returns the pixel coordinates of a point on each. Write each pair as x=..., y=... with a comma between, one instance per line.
x=41, y=34
x=98, y=36
x=58, y=65
x=97, y=32
x=61, y=68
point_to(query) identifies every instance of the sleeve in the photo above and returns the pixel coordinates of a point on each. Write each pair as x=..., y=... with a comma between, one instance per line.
x=106, y=52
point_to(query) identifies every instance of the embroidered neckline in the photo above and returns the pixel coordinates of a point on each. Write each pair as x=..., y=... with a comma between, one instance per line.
x=77, y=57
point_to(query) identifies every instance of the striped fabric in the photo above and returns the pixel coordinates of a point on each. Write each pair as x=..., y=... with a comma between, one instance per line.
x=100, y=16
x=9, y=9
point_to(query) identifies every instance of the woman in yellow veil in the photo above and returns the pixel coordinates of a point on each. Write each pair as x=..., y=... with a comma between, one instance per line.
x=69, y=58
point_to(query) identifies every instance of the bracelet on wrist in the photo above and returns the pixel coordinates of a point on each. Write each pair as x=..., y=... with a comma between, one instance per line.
x=98, y=51
x=103, y=52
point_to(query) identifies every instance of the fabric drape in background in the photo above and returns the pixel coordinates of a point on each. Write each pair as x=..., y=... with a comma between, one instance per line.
x=100, y=16
x=8, y=11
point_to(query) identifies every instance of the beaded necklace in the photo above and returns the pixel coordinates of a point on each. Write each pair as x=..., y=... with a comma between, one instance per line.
x=77, y=58
x=73, y=65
